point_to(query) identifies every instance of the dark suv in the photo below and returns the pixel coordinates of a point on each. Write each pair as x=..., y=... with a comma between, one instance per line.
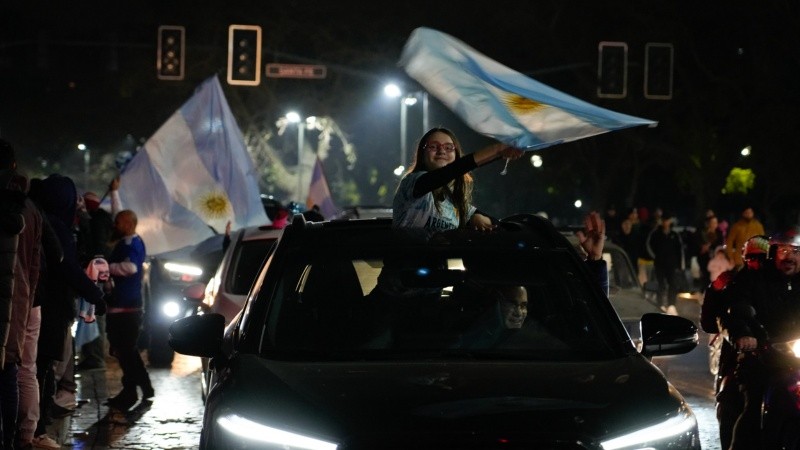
x=358, y=335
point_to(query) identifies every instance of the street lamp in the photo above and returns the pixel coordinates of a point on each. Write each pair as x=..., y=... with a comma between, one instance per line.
x=309, y=122
x=408, y=99
x=86, y=159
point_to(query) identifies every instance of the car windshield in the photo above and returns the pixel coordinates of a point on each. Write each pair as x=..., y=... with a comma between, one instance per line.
x=405, y=300
x=245, y=262
x=620, y=271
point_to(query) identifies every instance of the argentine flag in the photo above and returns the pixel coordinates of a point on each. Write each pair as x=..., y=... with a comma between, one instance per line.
x=192, y=176
x=499, y=102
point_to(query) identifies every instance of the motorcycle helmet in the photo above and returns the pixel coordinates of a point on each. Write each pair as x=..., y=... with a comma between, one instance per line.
x=756, y=245
x=789, y=237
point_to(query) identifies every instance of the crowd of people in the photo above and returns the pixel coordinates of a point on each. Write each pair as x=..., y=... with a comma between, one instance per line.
x=49, y=233
x=675, y=259
x=51, y=236
x=749, y=281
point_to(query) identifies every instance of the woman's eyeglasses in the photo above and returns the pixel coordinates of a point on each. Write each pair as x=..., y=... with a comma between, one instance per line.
x=435, y=146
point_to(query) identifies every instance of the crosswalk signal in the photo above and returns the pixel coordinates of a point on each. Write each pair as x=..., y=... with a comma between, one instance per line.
x=244, y=55
x=171, y=52
x=612, y=70
x=658, y=62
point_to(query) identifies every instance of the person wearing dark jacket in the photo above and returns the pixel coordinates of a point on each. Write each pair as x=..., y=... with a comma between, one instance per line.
x=66, y=281
x=716, y=301
x=773, y=294
x=665, y=246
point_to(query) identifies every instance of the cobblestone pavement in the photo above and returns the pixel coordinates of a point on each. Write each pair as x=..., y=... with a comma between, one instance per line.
x=171, y=421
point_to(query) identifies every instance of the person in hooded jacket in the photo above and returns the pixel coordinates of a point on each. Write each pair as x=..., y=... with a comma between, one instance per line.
x=66, y=280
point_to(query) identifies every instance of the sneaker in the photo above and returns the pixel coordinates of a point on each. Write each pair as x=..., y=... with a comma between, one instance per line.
x=148, y=392
x=672, y=310
x=45, y=441
x=123, y=401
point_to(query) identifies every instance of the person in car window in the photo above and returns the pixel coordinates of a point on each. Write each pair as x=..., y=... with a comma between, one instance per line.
x=436, y=192
x=506, y=308
x=513, y=302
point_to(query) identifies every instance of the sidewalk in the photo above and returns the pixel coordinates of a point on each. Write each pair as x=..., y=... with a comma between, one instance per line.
x=171, y=420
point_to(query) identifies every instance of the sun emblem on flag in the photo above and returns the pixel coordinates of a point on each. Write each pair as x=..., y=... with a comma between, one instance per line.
x=214, y=205
x=521, y=105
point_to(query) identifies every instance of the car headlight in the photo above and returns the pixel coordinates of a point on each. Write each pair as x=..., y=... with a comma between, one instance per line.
x=788, y=348
x=254, y=431
x=680, y=430
x=171, y=308
x=183, y=272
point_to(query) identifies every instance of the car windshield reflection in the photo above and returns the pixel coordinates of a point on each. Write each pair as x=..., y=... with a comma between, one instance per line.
x=439, y=302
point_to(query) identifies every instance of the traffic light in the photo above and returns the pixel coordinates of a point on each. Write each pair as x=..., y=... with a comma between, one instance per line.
x=171, y=52
x=244, y=55
x=612, y=70
x=658, y=71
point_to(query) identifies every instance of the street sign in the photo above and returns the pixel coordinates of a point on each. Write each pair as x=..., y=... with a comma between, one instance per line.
x=296, y=71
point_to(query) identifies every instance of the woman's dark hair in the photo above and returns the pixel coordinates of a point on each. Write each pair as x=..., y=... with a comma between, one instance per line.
x=459, y=190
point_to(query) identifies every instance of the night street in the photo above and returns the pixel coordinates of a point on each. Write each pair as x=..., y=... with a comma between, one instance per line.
x=174, y=419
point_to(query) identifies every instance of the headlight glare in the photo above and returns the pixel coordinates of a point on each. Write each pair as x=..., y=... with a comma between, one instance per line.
x=246, y=428
x=171, y=308
x=184, y=272
x=646, y=438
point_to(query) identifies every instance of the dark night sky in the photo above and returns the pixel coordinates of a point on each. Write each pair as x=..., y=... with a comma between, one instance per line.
x=87, y=74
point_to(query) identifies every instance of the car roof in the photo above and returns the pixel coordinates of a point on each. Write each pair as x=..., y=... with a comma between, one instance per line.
x=539, y=232
x=365, y=212
x=260, y=232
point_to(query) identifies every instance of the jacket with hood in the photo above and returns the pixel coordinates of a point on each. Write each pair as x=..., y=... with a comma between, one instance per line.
x=66, y=280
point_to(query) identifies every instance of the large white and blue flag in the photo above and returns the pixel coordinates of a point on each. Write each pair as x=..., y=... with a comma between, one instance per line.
x=193, y=176
x=499, y=102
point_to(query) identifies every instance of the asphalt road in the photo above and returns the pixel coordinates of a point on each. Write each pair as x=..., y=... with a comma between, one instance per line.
x=171, y=421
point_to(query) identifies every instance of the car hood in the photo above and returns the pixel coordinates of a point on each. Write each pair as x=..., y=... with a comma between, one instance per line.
x=376, y=401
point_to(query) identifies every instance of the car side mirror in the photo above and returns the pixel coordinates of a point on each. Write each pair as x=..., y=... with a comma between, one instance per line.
x=199, y=335
x=663, y=334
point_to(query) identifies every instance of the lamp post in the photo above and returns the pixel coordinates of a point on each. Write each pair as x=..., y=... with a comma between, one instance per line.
x=309, y=122
x=409, y=99
x=294, y=118
x=86, y=159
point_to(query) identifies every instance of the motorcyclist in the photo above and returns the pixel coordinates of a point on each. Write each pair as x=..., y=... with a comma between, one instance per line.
x=773, y=293
x=729, y=401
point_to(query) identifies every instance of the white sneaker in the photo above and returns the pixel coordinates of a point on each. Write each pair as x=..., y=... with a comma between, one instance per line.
x=45, y=441
x=672, y=310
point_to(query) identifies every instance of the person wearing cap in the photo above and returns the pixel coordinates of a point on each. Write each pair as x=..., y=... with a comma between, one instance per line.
x=773, y=293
